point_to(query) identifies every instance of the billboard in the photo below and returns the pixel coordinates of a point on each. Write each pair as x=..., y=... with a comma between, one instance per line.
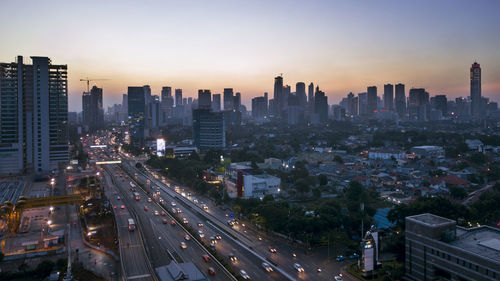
x=160, y=147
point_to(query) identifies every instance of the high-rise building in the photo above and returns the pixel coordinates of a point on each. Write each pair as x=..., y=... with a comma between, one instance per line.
x=228, y=99
x=300, y=91
x=167, y=105
x=321, y=105
x=441, y=103
x=475, y=90
x=400, y=100
x=125, y=103
x=209, y=129
x=204, y=99
x=137, y=115
x=278, y=95
x=178, y=97
x=237, y=101
x=310, y=97
x=363, y=104
x=372, y=99
x=389, y=97
x=418, y=105
x=93, y=113
x=260, y=108
x=34, y=116
x=216, y=105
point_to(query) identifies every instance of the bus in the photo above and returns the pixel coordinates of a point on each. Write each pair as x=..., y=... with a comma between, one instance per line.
x=131, y=225
x=137, y=197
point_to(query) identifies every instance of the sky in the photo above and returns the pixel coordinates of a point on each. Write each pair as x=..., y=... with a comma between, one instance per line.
x=342, y=46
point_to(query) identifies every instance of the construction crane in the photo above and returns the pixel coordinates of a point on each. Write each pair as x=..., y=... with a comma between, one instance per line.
x=88, y=82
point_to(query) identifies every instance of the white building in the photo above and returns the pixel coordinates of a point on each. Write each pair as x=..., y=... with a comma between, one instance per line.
x=260, y=185
x=385, y=155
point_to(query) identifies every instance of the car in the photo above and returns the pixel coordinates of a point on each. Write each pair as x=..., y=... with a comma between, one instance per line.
x=165, y=221
x=200, y=224
x=174, y=210
x=122, y=207
x=173, y=204
x=200, y=233
x=298, y=267
x=173, y=223
x=244, y=274
x=354, y=256
x=267, y=267
x=337, y=278
x=211, y=271
x=213, y=240
x=272, y=250
x=230, y=223
x=187, y=237
x=195, y=200
x=218, y=237
x=157, y=213
x=189, y=193
x=146, y=208
x=150, y=200
x=118, y=198
x=232, y=257
x=340, y=258
x=179, y=210
x=163, y=213
x=184, y=245
x=184, y=220
x=206, y=258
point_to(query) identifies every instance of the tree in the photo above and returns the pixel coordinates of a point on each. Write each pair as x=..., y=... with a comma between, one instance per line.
x=44, y=268
x=458, y=192
x=302, y=186
x=338, y=159
x=194, y=156
x=322, y=179
x=355, y=191
x=316, y=192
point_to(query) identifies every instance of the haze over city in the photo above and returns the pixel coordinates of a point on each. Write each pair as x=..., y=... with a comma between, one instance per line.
x=340, y=46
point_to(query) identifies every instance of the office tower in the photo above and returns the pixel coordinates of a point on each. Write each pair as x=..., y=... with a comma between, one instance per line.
x=209, y=129
x=418, y=105
x=166, y=93
x=310, y=99
x=294, y=110
x=167, y=105
x=72, y=118
x=189, y=101
x=372, y=99
x=137, y=115
x=125, y=104
x=321, y=105
x=156, y=116
x=441, y=103
x=437, y=249
x=389, y=97
x=93, y=114
x=216, y=106
x=363, y=104
x=260, y=108
x=34, y=120
x=204, y=99
x=475, y=90
x=178, y=97
x=300, y=91
x=228, y=99
x=352, y=105
x=285, y=93
x=400, y=100
x=237, y=101
x=278, y=95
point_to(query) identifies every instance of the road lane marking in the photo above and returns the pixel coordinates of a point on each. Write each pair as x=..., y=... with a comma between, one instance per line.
x=138, y=276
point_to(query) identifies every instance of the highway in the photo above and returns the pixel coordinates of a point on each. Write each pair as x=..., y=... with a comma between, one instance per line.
x=135, y=263
x=247, y=260
x=162, y=241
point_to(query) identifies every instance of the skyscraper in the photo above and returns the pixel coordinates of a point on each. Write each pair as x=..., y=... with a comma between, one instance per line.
x=278, y=95
x=125, y=103
x=216, y=106
x=93, y=114
x=300, y=91
x=228, y=99
x=204, y=99
x=441, y=103
x=34, y=121
x=178, y=97
x=321, y=105
x=209, y=129
x=400, y=100
x=418, y=105
x=137, y=114
x=388, y=97
x=260, y=108
x=372, y=99
x=475, y=90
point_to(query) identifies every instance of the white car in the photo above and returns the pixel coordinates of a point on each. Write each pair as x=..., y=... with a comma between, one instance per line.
x=184, y=220
x=298, y=267
x=337, y=278
x=173, y=204
x=201, y=234
x=267, y=267
x=150, y=200
x=183, y=245
x=244, y=274
x=157, y=213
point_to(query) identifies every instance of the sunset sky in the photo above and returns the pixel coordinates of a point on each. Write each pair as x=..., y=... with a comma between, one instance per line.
x=341, y=45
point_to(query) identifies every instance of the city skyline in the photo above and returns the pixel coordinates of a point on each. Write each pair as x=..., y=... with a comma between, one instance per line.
x=342, y=47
